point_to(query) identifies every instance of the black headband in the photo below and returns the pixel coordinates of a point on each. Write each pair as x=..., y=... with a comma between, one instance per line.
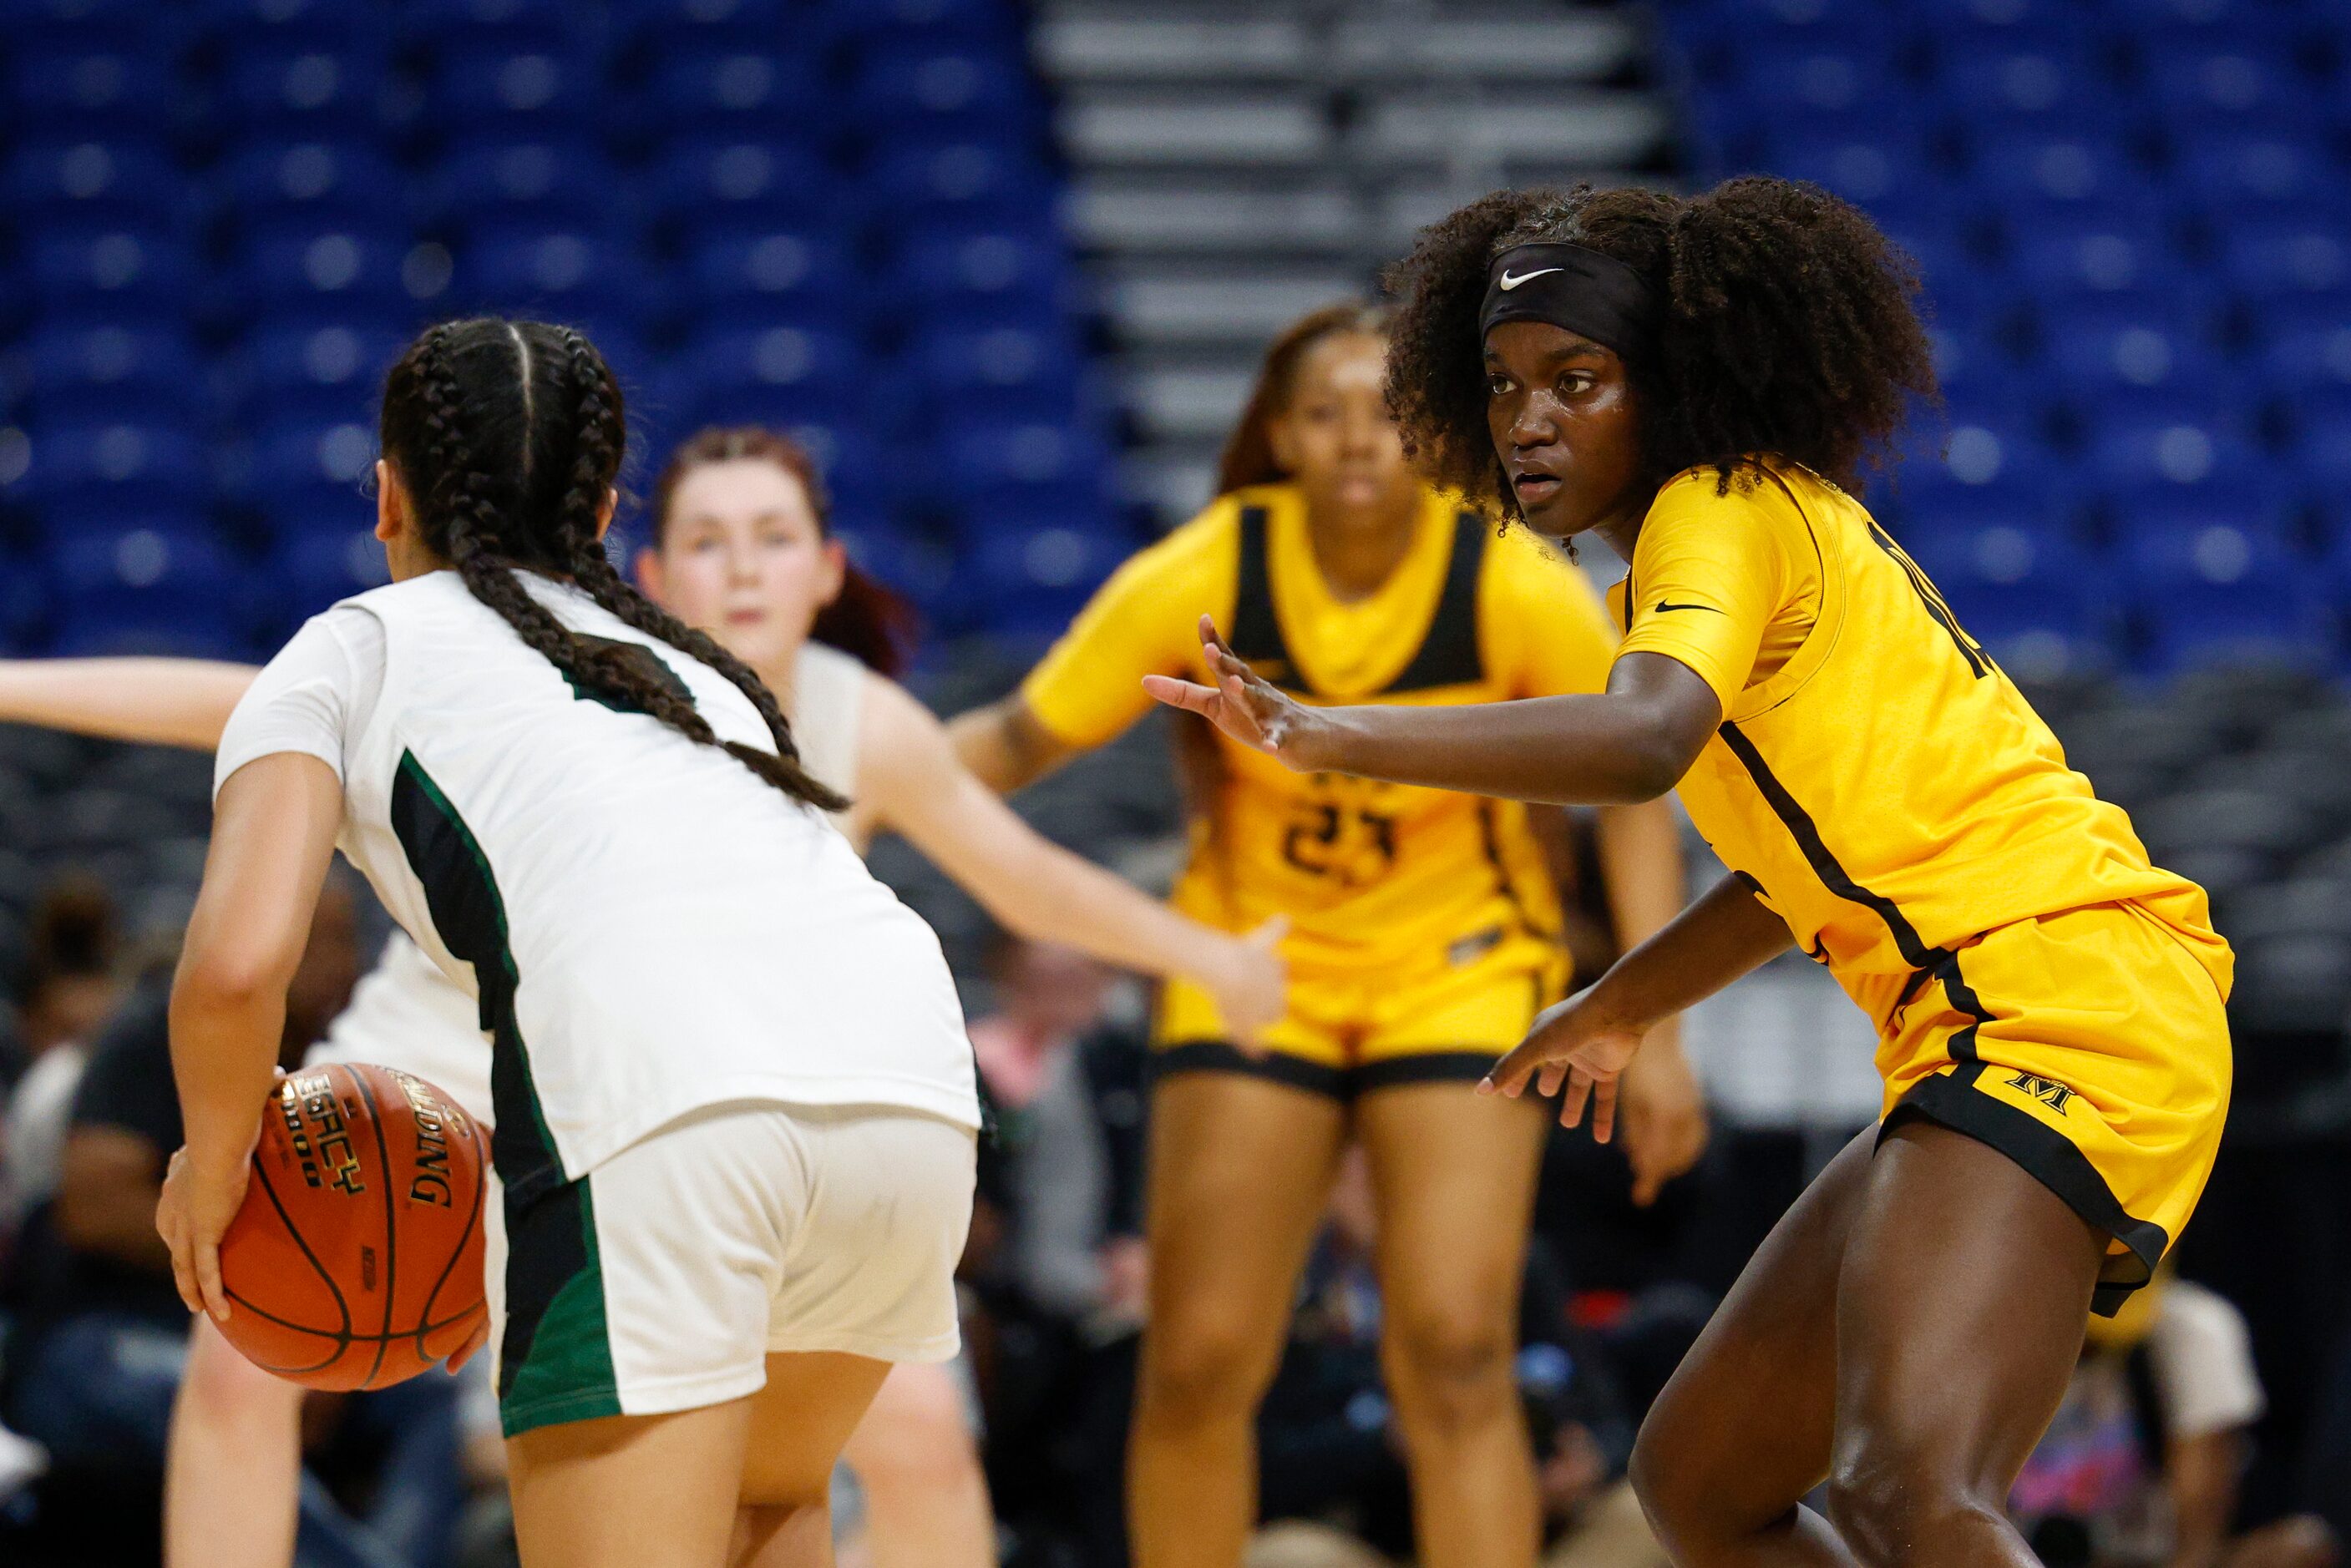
x=1591, y=295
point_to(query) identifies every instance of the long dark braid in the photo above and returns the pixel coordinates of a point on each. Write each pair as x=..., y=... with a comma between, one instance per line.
x=559, y=412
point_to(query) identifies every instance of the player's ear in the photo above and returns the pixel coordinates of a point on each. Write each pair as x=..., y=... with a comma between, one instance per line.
x=1282, y=442
x=605, y=511
x=648, y=573
x=391, y=508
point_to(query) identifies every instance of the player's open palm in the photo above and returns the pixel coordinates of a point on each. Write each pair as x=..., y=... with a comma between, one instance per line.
x=1247, y=708
x=1578, y=1046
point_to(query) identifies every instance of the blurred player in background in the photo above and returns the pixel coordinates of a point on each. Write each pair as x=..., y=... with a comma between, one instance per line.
x=1426, y=938
x=741, y=548
x=1697, y=378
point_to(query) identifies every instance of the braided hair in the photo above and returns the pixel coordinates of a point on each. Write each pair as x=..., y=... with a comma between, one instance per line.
x=1788, y=323
x=509, y=435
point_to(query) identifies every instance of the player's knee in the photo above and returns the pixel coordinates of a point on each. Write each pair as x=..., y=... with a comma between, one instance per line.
x=914, y=1437
x=1451, y=1364
x=222, y=1388
x=1202, y=1365
x=1889, y=1494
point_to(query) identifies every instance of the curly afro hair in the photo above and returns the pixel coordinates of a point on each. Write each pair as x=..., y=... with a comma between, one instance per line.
x=1787, y=324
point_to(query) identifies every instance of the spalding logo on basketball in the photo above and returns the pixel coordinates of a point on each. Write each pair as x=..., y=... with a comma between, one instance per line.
x=356, y=1260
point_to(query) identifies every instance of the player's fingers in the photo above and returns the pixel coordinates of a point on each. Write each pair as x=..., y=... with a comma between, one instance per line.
x=208, y=1280
x=1579, y=1092
x=1185, y=694
x=474, y=1341
x=1550, y=1078
x=1510, y=1074
x=1603, y=1110
x=1270, y=934
x=1212, y=640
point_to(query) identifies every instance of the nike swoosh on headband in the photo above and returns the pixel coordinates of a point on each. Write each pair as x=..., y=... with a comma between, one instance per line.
x=1509, y=283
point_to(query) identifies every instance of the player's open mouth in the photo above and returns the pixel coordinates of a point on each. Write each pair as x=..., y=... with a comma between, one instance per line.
x=1533, y=489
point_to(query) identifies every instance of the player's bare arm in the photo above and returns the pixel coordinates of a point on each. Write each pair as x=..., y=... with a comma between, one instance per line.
x=274, y=829
x=1630, y=743
x=159, y=701
x=1585, y=1043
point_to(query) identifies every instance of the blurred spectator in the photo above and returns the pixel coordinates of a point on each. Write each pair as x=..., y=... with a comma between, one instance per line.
x=2142, y=1463
x=102, y=1336
x=71, y=983
x=1046, y=998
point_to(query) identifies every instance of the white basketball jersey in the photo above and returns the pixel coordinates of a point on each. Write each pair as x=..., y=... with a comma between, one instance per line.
x=406, y=1014
x=827, y=707
x=648, y=927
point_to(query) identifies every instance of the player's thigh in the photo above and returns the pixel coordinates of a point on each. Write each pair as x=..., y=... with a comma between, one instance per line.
x=920, y=1421
x=1959, y=1316
x=800, y=1422
x=1745, y=1426
x=629, y=1491
x=1453, y=1172
x=1241, y=1171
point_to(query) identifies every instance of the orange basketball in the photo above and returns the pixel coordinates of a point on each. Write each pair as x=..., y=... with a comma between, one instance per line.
x=356, y=1260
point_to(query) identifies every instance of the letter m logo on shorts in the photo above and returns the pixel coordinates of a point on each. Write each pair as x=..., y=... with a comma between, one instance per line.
x=2048, y=1091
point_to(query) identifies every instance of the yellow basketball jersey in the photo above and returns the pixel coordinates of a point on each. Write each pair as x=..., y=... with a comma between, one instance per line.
x=1369, y=874
x=1877, y=778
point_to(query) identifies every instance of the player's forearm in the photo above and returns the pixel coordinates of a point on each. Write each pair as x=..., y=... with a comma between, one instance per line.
x=1560, y=751
x=1640, y=851
x=225, y=1028
x=1054, y=896
x=162, y=701
x=1005, y=745
x=1726, y=933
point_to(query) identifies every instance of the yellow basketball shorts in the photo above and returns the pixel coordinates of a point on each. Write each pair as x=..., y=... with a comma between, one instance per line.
x=1442, y=1020
x=2092, y=1048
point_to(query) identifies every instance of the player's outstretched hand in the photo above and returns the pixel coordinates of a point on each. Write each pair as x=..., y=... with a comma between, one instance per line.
x=192, y=1216
x=1252, y=987
x=1576, y=1045
x=1663, y=1112
x=1251, y=711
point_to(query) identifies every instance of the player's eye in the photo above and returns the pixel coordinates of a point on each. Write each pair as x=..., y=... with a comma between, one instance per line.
x=1575, y=381
x=1497, y=384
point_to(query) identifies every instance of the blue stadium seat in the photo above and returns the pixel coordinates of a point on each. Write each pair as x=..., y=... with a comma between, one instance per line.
x=1011, y=372
x=2126, y=453
x=559, y=274
x=321, y=566
x=324, y=184
x=2060, y=262
x=1928, y=505
x=1034, y=578
x=784, y=274
x=2217, y=592
x=754, y=93
x=556, y=183
x=2237, y=172
x=2033, y=600
x=2301, y=253
x=309, y=90
x=747, y=181
x=963, y=182
x=977, y=272
x=2042, y=84
x=780, y=375
x=308, y=370
x=2227, y=89
x=93, y=182
x=2306, y=342
x=2086, y=172
x=97, y=374
x=98, y=267
x=937, y=92
x=1038, y=463
x=2322, y=437
x=896, y=24
x=68, y=87
x=345, y=266
x=97, y=469
x=137, y=587
x=1865, y=167
x=739, y=22
x=2143, y=342
x=521, y=91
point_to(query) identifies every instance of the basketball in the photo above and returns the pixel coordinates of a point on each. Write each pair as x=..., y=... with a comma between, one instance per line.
x=356, y=1260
